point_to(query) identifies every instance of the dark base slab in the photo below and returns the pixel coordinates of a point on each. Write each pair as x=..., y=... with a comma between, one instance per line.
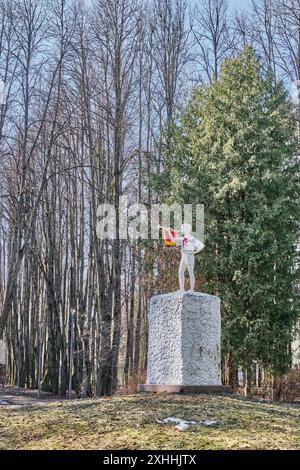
x=184, y=388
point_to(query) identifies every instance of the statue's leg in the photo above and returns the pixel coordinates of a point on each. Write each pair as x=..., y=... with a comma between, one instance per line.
x=181, y=270
x=191, y=263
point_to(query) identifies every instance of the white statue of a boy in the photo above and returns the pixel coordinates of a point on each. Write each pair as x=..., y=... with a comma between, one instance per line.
x=190, y=245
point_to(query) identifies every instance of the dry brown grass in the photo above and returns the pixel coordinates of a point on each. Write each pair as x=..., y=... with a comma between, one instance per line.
x=129, y=422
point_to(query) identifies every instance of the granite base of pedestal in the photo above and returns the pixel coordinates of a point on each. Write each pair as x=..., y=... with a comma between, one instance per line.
x=193, y=389
x=184, y=353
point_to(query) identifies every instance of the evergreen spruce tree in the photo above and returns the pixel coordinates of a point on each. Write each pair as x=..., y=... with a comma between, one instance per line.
x=234, y=149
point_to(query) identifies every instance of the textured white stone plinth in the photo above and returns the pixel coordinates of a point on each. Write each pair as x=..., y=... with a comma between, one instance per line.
x=184, y=339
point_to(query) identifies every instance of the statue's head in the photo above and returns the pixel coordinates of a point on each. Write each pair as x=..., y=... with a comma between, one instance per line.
x=186, y=228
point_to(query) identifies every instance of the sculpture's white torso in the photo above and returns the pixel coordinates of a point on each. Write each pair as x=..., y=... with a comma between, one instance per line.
x=189, y=244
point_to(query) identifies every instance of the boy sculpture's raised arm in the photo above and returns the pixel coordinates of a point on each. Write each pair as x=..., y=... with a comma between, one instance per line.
x=190, y=245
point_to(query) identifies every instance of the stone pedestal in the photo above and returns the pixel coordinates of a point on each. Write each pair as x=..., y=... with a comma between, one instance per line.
x=184, y=343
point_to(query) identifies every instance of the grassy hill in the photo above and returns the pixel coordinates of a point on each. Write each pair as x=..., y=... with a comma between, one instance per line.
x=130, y=422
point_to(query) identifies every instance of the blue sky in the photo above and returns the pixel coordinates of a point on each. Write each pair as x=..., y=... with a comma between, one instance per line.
x=233, y=4
x=239, y=4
